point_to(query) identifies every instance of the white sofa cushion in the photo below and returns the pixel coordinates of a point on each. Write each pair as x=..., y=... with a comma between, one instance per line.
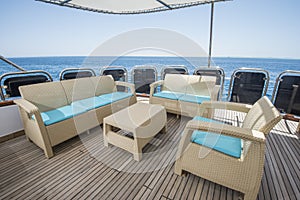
x=103, y=84
x=46, y=96
x=175, y=83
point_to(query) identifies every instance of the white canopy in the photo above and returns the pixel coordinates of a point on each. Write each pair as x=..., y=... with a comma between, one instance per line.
x=128, y=6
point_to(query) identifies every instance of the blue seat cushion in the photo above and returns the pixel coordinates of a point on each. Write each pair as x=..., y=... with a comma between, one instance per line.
x=204, y=119
x=194, y=98
x=228, y=145
x=168, y=95
x=116, y=96
x=90, y=103
x=60, y=114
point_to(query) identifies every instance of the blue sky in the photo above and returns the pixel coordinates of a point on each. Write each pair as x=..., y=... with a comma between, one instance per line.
x=242, y=28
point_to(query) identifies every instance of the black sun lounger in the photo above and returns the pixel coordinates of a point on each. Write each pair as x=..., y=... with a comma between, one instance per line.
x=248, y=85
x=10, y=82
x=142, y=77
x=286, y=94
x=173, y=70
x=73, y=73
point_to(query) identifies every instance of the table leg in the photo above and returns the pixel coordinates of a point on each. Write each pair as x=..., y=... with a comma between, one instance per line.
x=164, y=130
x=106, y=129
x=137, y=156
x=137, y=152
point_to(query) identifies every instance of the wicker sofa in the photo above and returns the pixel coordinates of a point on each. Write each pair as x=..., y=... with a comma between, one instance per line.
x=57, y=111
x=184, y=94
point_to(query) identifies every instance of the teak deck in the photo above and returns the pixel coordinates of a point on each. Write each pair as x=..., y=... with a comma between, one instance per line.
x=83, y=168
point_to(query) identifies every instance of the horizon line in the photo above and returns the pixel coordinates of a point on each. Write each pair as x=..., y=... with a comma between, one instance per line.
x=241, y=57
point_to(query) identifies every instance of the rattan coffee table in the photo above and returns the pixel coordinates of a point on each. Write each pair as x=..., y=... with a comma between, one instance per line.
x=143, y=120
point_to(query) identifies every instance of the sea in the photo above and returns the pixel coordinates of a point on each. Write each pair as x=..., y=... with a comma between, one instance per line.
x=54, y=65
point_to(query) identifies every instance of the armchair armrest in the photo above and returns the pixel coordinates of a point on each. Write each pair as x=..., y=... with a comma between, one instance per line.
x=126, y=84
x=29, y=108
x=233, y=131
x=155, y=85
x=226, y=105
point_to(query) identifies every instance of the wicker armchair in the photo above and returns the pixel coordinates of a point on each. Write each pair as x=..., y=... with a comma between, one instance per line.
x=243, y=173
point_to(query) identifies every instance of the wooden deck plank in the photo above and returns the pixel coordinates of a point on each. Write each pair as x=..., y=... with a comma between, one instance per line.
x=167, y=169
x=187, y=188
x=140, y=193
x=175, y=187
x=146, y=194
x=290, y=146
x=217, y=192
x=86, y=187
x=276, y=175
x=59, y=181
x=29, y=172
x=199, y=189
x=229, y=194
x=290, y=182
x=158, y=190
x=223, y=193
x=289, y=172
x=152, y=161
x=75, y=185
x=270, y=181
x=170, y=185
x=210, y=191
x=171, y=129
x=182, y=186
x=193, y=188
x=264, y=186
x=205, y=189
x=124, y=181
x=72, y=185
x=75, y=172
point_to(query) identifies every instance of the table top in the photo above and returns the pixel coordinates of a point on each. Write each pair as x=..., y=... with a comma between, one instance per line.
x=134, y=116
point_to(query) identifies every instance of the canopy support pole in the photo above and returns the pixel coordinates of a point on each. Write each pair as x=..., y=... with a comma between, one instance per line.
x=210, y=34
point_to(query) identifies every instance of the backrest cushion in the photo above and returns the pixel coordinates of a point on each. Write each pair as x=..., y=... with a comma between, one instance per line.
x=196, y=86
x=209, y=78
x=263, y=116
x=77, y=89
x=103, y=84
x=175, y=83
x=46, y=96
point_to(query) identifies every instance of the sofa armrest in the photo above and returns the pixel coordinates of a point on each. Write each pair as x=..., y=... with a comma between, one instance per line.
x=239, y=107
x=35, y=128
x=126, y=84
x=29, y=108
x=155, y=85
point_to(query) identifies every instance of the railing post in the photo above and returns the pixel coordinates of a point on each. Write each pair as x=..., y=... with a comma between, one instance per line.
x=12, y=64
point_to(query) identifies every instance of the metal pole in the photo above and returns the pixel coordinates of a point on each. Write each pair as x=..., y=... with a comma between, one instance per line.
x=211, y=30
x=12, y=64
x=295, y=89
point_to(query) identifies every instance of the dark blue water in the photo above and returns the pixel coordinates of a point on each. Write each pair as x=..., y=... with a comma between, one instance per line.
x=54, y=65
